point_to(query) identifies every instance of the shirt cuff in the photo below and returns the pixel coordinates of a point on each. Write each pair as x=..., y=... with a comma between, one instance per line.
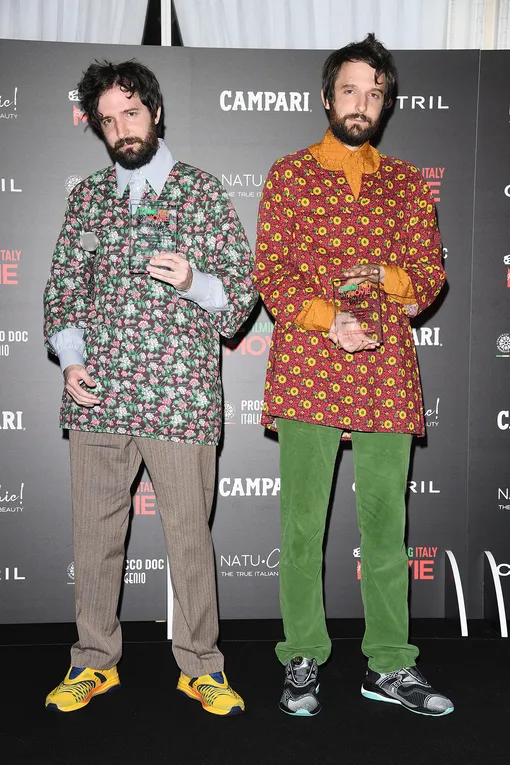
x=318, y=315
x=397, y=284
x=207, y=291
x=69, y=346
x=69, y=356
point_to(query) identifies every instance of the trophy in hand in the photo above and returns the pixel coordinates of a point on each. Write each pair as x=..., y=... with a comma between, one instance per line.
x=153, y=230
x=358, y=306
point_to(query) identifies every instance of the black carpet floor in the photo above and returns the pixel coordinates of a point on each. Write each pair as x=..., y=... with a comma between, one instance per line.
x=148, y=722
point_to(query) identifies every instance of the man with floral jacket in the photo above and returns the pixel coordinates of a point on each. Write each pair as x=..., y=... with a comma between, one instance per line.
x=139, y=350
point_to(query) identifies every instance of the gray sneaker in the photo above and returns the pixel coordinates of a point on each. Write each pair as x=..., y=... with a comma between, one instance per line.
x=300, y=688
x=408, y=688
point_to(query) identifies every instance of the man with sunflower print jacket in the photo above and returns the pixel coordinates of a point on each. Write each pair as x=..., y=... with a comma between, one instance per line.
x=337, y=209
x=140, y=356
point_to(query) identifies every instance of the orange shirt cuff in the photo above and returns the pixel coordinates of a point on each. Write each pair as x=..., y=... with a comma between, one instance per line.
x=318, y=315
x=397, y=285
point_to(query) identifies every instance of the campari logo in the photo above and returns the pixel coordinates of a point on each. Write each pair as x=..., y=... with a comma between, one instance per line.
x=9, y=261
x=421, y=562
x=250, y=564
x=264, y=101
x=249, y=487
x=11, y=420
x=427, y=336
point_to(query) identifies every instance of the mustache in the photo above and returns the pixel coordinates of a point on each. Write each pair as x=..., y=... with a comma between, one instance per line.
x=361, y=117
x=126, y=142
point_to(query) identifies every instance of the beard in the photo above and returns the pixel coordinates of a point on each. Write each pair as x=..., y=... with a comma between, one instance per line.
x=357, y=134
x=131, y=158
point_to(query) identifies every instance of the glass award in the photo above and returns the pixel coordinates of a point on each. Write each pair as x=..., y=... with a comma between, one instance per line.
x=360, y=306
x=153, y=230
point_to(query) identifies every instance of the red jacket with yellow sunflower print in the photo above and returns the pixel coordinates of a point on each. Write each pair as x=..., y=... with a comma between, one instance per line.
x=310, y=229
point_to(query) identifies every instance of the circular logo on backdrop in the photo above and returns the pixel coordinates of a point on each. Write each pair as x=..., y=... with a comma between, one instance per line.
x=503, y=343
x=229, y=410
x=71, y=182
x=70, y=570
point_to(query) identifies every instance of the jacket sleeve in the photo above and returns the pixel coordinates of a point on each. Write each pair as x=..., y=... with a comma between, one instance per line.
x=231, y=262
x=67, y=297
x=285, y=287
x=420, y=277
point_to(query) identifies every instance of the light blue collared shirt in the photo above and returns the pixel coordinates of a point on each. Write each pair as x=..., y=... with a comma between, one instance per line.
x=206, y=290
x=154, y=172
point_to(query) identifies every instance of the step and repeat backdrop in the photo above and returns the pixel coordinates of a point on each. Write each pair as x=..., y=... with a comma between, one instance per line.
x=233, y=113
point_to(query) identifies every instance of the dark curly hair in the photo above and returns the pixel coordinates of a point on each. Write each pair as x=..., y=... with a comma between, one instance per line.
x=131, y=76
x=373, y=53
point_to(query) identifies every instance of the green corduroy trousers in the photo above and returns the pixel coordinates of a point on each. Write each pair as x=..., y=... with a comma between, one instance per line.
x=308, y=454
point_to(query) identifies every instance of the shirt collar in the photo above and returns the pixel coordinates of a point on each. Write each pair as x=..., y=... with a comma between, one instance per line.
x=334, y=155
x=155, y=172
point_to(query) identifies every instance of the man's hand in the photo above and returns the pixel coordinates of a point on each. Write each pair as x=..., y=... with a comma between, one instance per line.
x=75, y=374
x=179, y=274
x=357, y=274
x=346, y=333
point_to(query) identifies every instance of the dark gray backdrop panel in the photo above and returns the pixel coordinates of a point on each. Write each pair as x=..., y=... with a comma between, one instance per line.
x=47, y=145
x=489, y=479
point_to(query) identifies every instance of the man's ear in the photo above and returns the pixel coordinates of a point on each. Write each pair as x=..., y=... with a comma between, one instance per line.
x=158, y=115
x=325, y=102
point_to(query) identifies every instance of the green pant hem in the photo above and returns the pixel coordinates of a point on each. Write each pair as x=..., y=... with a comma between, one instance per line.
x=285, y=656
x=390, y=668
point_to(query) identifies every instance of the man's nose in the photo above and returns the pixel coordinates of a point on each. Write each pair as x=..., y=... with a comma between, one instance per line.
x=122, y=128
x=361, y=103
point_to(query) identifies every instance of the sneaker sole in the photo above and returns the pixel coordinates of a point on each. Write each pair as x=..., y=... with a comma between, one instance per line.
x=378, y=697
x=191, y=693
x=299, y=712
x=110, y=686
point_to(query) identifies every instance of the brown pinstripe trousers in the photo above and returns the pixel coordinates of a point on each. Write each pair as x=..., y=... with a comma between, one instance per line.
x=103, y=467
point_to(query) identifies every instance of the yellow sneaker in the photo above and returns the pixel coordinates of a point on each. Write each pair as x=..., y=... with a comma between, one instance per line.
x=213, y=692
x=78, y=687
